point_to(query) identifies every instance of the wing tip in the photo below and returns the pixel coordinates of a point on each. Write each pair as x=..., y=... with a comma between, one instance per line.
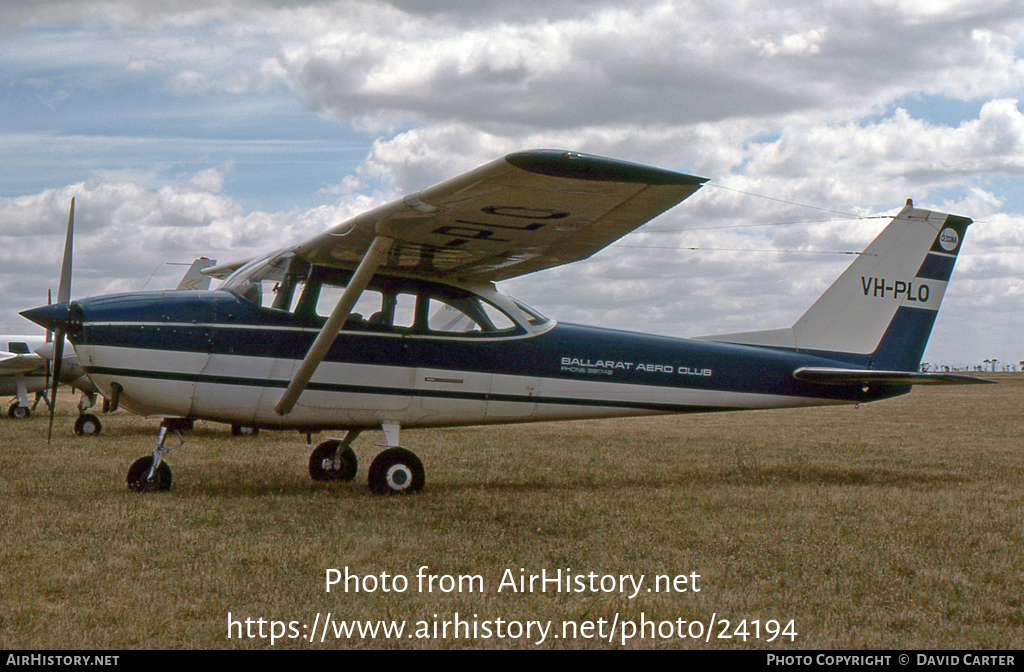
x=575, y=165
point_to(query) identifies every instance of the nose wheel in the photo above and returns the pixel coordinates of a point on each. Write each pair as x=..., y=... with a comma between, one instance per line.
x=18, y=412
x=88, y=424
x=151, y=473
x=139, y=479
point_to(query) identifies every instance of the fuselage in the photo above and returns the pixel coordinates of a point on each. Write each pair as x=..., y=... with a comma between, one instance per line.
x=215, y=355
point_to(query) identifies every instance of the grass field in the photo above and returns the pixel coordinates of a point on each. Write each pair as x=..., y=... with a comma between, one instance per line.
x=890, y=525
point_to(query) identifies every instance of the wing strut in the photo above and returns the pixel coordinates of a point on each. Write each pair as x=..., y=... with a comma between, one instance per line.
x=360, y=279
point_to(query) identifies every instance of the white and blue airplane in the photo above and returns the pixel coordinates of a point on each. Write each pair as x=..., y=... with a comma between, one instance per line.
x=392, y=321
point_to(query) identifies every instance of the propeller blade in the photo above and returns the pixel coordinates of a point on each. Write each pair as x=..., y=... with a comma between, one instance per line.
x=63, y=298
x=49, y=300
x=58, y=355
x=64, y=290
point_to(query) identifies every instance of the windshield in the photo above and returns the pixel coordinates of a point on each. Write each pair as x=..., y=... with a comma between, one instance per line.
x=266, y=281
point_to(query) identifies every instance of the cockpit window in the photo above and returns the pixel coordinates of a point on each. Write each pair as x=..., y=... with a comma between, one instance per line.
x=389, y=304
x=270, y=281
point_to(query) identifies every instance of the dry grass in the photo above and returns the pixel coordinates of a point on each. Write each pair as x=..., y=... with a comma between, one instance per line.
x=891, y=525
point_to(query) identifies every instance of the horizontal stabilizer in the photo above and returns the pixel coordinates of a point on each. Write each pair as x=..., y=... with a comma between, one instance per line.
x=830, y=376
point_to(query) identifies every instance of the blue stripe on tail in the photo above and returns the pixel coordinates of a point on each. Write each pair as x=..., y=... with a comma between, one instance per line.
x=902, y=346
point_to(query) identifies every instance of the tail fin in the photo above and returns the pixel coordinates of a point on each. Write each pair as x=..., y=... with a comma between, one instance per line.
x=880, y=311
x=194, y=278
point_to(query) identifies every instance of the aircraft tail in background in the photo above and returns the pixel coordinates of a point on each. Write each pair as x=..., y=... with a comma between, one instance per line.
x=194, y=278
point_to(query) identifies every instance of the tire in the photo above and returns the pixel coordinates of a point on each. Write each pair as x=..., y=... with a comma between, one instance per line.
x=19, y=412
x=396, y=471
x=137, y=473
x=88, y=424
x=332, y=461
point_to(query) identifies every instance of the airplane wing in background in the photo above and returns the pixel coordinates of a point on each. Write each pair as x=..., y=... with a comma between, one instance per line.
x=13, y=364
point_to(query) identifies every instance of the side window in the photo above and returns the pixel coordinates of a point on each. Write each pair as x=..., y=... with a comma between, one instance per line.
x=466, y=316
x=402, y=307
x=405, y=311
x=366, y=312
x=446, y=318
x=499, y=320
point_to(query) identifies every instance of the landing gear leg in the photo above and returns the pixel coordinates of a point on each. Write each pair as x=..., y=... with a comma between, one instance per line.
x=41, y=396
x=395, y=470
x=86, y=401
x=334, y=460
x=87, y=424
x=19, y=408
x=151, y=473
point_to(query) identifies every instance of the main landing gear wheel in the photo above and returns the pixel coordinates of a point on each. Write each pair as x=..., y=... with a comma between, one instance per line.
x=139, y=480
x=88, y=424
x=18, y=412
x=396, y=471
x=244, y=430
x=333, y=461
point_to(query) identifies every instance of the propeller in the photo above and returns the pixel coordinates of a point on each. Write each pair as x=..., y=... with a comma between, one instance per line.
x=63, y=300
x=49, y=362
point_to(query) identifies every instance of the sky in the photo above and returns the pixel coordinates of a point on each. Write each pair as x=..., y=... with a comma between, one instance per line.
x=226, y=129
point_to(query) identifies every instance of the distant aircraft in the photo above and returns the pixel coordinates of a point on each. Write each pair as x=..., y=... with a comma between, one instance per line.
x=22, y=371
x=391, y=320
x=194, y=279
x=25, y=367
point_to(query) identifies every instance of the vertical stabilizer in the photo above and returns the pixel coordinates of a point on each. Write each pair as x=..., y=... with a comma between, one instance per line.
x=194, y=278
x=881, y=310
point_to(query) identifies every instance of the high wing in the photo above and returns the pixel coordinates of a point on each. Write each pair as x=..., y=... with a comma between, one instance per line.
x=519, y=214
x=523, y=213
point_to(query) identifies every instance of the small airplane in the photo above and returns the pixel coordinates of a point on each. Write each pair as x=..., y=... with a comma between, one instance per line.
x=392, y=320
x=25, y=368
x=22, y=371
